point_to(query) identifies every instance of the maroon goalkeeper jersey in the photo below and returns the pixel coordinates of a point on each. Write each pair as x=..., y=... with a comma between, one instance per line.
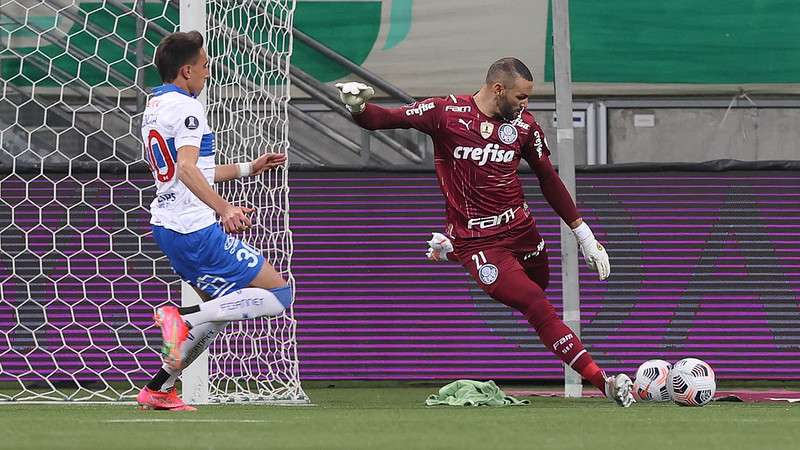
x=476, y=159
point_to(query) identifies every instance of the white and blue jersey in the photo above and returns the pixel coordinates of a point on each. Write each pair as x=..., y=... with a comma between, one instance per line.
x=172, y=119
x=184, y=227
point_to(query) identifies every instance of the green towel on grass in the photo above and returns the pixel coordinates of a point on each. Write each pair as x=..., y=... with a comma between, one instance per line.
x=472, y=393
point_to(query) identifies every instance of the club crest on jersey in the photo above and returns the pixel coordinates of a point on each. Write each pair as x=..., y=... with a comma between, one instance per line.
x=486, y=129
x=191, y=122
x=507, y=133
x=488, y=273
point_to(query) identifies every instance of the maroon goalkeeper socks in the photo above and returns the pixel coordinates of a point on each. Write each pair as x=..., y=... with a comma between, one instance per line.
x=589, y=370
x=560, y=339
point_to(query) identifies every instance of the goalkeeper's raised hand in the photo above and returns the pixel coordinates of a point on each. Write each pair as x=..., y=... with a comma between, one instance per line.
x=354, y=95
x=594, y=253
x=438, y=247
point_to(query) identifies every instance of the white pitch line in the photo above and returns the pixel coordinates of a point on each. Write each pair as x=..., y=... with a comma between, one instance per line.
x=790, y=400
x=184, y=420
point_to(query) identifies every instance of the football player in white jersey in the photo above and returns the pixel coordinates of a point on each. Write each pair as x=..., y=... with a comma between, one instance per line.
x=233, y=279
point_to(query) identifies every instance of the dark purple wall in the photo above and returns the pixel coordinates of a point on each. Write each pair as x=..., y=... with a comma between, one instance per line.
x=704, y=265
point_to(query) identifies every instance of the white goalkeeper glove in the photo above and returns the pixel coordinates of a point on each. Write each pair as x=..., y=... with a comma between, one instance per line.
x=438, y=248
x=594, y=253
x=354, y=95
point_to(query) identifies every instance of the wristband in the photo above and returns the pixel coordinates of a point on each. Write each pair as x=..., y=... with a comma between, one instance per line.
x=245, y=169
x=358, y=109
x=583, y=232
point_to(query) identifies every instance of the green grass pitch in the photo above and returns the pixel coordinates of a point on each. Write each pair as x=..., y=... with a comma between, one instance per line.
x=395, y=418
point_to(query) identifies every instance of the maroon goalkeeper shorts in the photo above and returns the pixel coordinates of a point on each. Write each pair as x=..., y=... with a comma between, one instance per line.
x=493, y=259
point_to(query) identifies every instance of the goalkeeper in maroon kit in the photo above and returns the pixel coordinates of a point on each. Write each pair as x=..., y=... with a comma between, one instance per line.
x=479, y=141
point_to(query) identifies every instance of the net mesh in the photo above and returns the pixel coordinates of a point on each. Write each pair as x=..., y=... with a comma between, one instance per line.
x=80, y=273
x=249, y=44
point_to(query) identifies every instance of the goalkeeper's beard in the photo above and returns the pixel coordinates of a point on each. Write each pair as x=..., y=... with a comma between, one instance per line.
x=507, y=112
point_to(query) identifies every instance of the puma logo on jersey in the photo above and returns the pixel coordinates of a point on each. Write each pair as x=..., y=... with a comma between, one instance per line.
x=466, y=123
x=483, y=155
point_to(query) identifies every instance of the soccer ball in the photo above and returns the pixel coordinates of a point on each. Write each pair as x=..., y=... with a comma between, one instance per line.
x=651, y=381
x=691, y=382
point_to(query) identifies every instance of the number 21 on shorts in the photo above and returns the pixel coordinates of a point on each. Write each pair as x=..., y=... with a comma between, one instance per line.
x=487, y=273
x=480, y=259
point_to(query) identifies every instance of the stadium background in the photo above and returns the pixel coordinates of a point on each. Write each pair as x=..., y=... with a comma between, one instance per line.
x=705, y=257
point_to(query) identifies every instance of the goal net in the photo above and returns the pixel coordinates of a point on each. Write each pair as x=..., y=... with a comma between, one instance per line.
x=80, y=274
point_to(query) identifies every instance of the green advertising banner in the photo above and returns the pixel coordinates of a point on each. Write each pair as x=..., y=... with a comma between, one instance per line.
x=709, y=42
x=426, y=47
x=434, y=47
x=437, y=47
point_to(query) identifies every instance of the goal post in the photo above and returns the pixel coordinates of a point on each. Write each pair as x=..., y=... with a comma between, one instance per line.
x=80, y=274
x=194, y=379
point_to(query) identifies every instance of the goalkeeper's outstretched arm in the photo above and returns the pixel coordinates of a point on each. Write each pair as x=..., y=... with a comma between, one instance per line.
x=424, y=115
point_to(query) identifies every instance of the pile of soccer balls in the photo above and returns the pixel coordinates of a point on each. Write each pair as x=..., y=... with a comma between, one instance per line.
x=690, y=382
